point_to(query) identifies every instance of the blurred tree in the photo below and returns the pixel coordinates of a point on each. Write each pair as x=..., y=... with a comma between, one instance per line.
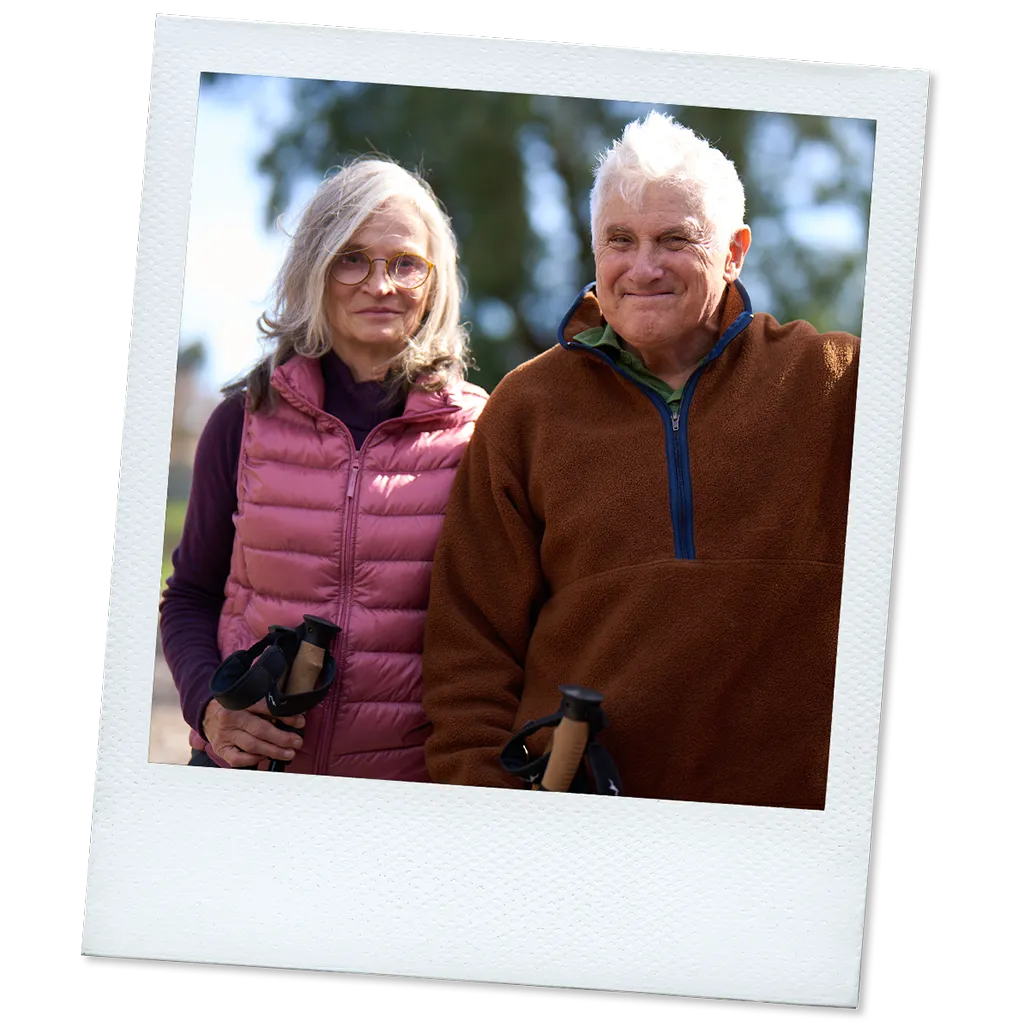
x=191, y=355
x=514, y=172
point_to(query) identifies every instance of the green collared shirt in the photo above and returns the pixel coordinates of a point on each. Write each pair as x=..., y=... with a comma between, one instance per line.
x=607, y=340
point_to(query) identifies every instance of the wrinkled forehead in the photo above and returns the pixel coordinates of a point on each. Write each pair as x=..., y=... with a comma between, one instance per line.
x=663, y=204
x=397, y=222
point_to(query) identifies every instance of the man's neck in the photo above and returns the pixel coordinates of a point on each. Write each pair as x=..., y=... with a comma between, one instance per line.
x=675, y=362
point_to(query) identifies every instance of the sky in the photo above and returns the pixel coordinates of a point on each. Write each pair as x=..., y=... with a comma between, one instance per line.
x=232, y=258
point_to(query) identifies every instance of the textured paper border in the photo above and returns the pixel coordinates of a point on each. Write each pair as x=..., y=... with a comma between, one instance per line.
x=450, y=882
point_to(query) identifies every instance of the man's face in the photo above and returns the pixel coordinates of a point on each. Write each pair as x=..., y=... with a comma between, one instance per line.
x=660, y=275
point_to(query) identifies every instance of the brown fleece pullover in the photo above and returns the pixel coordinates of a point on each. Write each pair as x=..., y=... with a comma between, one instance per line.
x=688, y=569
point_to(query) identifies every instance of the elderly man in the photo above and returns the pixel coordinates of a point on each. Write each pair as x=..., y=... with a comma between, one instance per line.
x=654, y=508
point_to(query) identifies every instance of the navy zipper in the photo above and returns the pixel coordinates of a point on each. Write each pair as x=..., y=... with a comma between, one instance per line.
x=683, y=417
x=680, y=534
x=678, y=483
x=675, y=423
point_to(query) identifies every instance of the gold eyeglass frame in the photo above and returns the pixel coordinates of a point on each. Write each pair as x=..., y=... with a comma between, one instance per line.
x=387, y=270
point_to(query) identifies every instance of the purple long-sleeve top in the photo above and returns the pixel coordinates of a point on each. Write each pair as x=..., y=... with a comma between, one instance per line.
x=191, y=604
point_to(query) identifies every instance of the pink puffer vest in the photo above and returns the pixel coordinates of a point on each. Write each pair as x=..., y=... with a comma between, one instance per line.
x=323, y=529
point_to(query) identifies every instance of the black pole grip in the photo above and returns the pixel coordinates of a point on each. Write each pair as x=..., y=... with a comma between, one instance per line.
x=319, y=632
x=578, y=703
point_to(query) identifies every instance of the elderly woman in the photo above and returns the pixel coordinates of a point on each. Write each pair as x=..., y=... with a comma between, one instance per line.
x=655, y=508
x=320, y=482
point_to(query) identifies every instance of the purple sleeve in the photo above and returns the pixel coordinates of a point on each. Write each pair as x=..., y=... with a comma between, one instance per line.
x=191, y=603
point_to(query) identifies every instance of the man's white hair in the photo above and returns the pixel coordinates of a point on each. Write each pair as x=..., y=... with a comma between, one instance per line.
x=659, y=150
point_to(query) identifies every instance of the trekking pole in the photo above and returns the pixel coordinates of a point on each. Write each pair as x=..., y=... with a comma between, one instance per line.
x=315, y=636
x=581, y=709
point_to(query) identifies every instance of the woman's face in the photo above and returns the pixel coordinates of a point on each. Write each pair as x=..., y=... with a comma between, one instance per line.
x=373, y=319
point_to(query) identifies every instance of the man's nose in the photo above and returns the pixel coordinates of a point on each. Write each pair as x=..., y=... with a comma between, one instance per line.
x=647, y=263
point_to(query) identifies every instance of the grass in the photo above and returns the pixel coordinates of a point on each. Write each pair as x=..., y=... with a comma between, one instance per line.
x=174, y=522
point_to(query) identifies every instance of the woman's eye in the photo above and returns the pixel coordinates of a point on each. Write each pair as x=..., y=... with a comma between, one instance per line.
x=351, y=259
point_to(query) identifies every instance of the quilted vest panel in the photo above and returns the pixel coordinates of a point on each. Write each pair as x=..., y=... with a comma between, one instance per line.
x=349, y=535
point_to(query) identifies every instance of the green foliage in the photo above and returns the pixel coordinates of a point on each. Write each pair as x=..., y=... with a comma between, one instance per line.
x=514, y=172
x=191, y=355
x=174, y=523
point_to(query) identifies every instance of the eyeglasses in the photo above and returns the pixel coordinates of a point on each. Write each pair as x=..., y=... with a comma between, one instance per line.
x=406, y=269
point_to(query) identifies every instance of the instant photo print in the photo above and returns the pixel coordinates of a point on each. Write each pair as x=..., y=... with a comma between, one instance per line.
x=721, y=894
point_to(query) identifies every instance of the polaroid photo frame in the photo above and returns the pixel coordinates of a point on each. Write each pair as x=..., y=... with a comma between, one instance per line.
x=454, y=882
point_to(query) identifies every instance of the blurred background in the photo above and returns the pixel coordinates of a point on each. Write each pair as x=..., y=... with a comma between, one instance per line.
x=514, y=172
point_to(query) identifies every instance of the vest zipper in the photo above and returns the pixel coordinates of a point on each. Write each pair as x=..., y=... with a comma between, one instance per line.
x=347, y=568
x=345, y=610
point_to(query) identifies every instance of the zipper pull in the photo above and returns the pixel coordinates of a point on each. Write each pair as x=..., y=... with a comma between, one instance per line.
x=352, y=479
x=675, y=421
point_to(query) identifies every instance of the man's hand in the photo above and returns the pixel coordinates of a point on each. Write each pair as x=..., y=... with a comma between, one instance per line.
x=245, y=738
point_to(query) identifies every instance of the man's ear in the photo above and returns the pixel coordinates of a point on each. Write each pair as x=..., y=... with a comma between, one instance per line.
x=739, y=244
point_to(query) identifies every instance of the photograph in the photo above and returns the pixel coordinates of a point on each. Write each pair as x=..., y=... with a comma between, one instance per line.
x=519, y=420
x=658, y=306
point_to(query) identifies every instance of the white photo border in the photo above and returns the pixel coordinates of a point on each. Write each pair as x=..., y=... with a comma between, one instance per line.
x=476, y=884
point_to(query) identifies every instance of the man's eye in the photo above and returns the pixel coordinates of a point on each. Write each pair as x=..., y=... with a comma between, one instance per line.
x=619, y=240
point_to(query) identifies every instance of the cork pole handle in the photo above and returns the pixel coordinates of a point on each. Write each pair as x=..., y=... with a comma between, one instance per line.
x=569, y=742
x=317, y=635
x=307, y=666
x=305, y=669
x=567, y=746
x=547, y=750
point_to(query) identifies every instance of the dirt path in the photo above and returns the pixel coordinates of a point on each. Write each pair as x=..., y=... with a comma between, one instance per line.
x=168, y=733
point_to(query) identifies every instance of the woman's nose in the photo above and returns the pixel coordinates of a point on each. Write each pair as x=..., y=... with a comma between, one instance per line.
x=379, y=281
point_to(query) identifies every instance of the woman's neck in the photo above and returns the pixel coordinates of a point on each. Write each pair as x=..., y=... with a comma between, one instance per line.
x=366, y=362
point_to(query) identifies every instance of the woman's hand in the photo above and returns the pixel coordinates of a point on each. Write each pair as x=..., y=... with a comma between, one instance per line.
x=245, y=738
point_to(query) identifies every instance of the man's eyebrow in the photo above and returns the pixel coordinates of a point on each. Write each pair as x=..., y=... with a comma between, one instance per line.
x=687, y=225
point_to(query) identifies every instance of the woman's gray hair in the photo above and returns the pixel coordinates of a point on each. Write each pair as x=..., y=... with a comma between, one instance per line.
x=436, y=355
x=659, y=150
